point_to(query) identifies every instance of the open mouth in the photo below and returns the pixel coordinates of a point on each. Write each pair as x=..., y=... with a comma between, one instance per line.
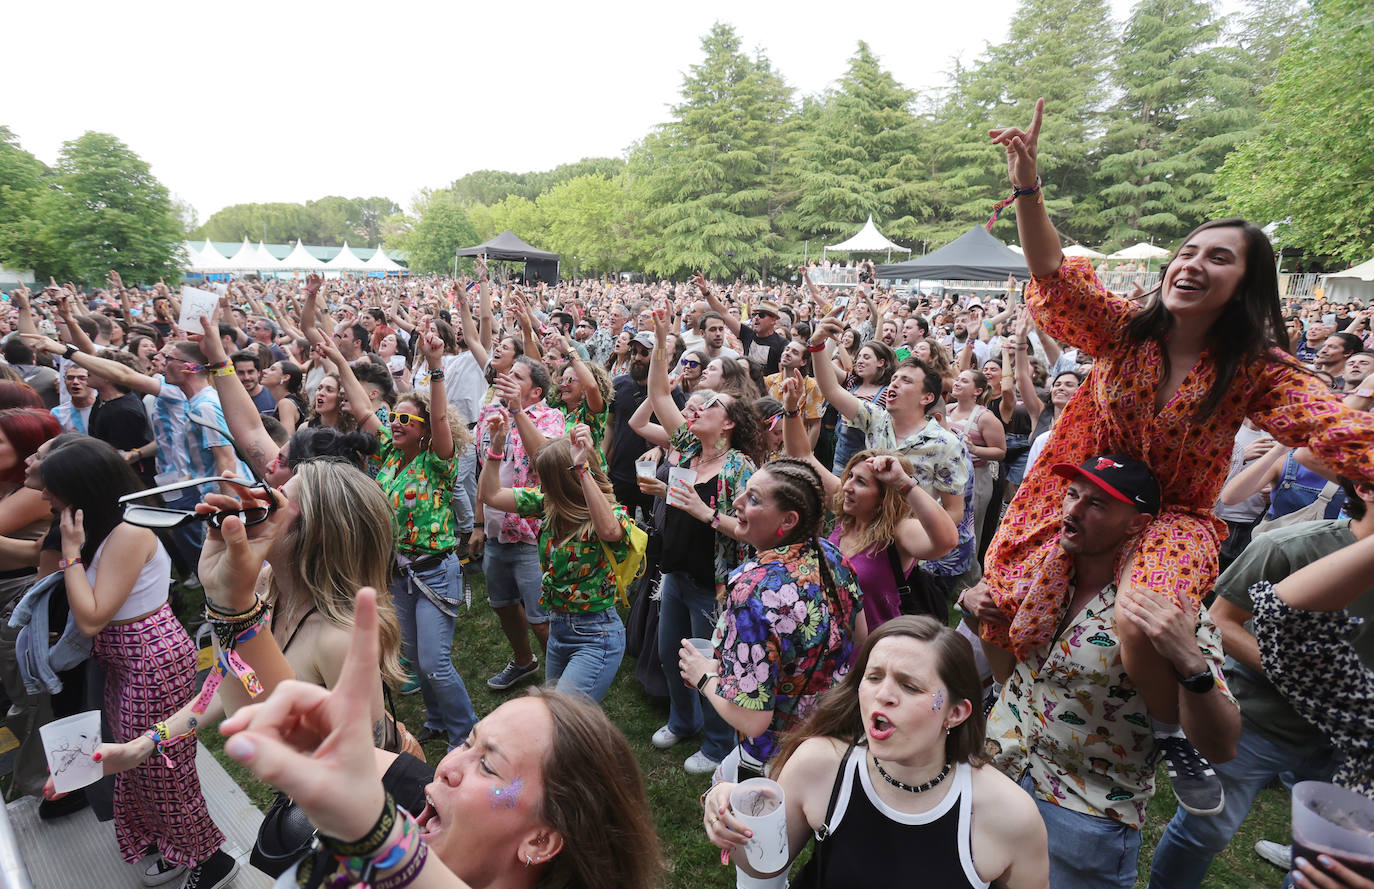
x=1187, y=285
x=429, y=821
x=880, y=727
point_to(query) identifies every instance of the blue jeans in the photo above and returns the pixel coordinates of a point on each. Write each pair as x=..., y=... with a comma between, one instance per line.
x=1087, y=852
x=1189, y=843
x=427, y=638
x=189, y=539
x=689, y=611
x=584, y=651
x=465, y=489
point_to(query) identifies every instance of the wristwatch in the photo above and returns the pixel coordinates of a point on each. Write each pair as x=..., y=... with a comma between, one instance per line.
x=1198, y=683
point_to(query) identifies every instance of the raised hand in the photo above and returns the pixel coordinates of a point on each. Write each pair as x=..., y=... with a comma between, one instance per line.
x=792, y=391
x=582, y=445
x=498, y=427
x=888, y=470
x=1022, y=148
x=210, y=342
x=313, y=282
x=233, y=554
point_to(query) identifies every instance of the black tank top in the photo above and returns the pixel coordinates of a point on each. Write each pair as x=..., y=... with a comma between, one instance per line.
x=864, y=831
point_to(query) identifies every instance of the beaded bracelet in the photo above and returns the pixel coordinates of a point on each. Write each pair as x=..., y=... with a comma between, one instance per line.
x=69, y=563
x=363, y=868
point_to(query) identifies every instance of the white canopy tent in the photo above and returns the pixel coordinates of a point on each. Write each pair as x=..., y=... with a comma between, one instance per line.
x=246, y=259
x=266, y=261
x=300, y=259
x=1140, y=251
x=207, y=260
x=1351, y=285
x=380, y=262
x=1080, y=250
x=867, y=240
x=345, y=261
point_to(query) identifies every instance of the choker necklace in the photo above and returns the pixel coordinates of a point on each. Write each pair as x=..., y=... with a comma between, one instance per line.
x=919, y=788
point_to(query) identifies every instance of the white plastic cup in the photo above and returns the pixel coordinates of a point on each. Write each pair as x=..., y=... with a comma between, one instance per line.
x=680, y=474
x=703, y=646
x=645, y=468
x=68, y=744
x=1330, y=820
x=761, y=805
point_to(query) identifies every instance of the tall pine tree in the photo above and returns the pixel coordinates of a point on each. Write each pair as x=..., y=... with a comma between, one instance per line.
x=712, y=177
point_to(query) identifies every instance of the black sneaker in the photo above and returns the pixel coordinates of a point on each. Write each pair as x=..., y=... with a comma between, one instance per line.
x=213, y=872
x=512, y=674
x=1196, y=785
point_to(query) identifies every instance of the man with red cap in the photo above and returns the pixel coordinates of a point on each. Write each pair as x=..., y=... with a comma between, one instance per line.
x=1070, y=725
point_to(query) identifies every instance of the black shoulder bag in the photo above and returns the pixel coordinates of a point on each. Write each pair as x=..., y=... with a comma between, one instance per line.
x=814, y=871
x=913, y=593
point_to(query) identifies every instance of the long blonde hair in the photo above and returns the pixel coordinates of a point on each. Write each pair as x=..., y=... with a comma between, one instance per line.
x=564, y=504
x=892, y=508
x=343, y=541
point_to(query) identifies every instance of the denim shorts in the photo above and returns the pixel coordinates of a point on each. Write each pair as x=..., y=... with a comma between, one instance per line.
x=514, y=577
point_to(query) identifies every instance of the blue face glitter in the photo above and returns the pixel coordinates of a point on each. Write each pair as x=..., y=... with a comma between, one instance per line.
x=939, y=700
x=506, y=795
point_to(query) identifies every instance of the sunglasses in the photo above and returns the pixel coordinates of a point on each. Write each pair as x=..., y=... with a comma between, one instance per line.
x=404, y=419
x=690, y=363
x=761, y=315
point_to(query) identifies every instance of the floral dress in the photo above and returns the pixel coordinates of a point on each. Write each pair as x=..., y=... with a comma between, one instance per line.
x=1114, y=412
x=730, y=481
x=783, y=640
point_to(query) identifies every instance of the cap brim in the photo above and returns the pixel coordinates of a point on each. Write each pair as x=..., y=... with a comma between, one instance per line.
x=1069, y=471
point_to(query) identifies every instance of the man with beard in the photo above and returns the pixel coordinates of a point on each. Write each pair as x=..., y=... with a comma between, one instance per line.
x=1070, y=725
x=712, y=327
x=626, y=446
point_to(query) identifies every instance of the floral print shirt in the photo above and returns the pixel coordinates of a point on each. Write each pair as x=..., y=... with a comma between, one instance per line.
x=941, y=465
x=812, y=403
x=730, y=481
x=781, y=640
x=517, y=469
x=1071, y=716
x=595, y=421
x=577, y=575
x=421, y=493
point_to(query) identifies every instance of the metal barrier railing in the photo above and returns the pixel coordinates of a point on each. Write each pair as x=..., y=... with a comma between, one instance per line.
x=13, y=873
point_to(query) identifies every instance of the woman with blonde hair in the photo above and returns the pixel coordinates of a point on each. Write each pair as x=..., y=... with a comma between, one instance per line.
x=581, y=531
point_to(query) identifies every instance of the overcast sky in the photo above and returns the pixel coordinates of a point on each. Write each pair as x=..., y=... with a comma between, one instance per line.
x=290, y=101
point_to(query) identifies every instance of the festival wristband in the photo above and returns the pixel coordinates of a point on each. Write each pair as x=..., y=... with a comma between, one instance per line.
x=69, y=563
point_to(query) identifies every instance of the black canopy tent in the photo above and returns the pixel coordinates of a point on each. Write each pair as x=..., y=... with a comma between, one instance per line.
x=540, y=265
x=973, y=256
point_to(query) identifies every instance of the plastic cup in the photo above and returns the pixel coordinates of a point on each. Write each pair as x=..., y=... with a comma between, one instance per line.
x=703, y=646
x=1330, y=820
x=68, y=743
x=761, y=805
x=645, y=468
x=680, y=474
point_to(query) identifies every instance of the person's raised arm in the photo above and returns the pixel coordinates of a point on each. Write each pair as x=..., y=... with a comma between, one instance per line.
x=830, y=387
x=312, y=296
x=604, y=521
x=507, y=388
x=717, y=305
x=1025, y=383
x=440, y=432
x=359, y=405
x=463, y=309
x=1052, y=349
x=641, y=421
x=795, y=439
x=1039, y=239
x=489, y=490
x=592, y=392
x=486, y=320
x=1252, y=479
x=240, y=413
x=660, y=390
x=110, y=370
x=73, y=332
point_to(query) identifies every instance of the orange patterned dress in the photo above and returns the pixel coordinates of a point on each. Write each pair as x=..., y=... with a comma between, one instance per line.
x=1114, y=412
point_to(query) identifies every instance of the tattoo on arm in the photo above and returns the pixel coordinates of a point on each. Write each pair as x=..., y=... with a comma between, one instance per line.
x=191, y=723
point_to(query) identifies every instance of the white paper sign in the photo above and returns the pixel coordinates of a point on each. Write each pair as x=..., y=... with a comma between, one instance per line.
x=196, y=304
x=68, y=744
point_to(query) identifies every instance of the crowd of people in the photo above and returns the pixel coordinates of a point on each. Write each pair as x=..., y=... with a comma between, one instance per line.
x=1148, y=509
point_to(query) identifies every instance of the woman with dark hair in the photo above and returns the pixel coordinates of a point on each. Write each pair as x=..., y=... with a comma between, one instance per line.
x=729, y=376
x=284, y=380
x=582, y=529
x=900, y=739
x=791, y=617
x=692, y=366
x=117, y=576
x=982, y=434
x=618, y=362
x=1173, y=380
x=873, y=368
x=143, y=348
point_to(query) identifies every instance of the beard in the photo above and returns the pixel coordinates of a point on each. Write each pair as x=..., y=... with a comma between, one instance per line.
x=639, y=372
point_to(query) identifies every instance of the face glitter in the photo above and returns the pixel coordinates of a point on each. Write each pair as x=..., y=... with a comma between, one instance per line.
x=506, y=795
x=939, y=700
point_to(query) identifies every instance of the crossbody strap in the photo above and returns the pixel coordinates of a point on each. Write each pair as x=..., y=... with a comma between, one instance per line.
x=823, y=832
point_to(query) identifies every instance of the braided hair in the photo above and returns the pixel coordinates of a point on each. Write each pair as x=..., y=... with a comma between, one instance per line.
x=797, y=486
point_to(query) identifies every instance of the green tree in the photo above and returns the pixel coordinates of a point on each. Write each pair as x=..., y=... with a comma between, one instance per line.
x=112, y=213
x=25, y=241
x=441, y=229
x=585, y=218
x=518, y=214
x=1312, y=164
x=710, y=189
x=1170, y=127
x=851, y=150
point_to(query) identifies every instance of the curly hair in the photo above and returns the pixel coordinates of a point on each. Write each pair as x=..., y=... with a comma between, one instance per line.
x=881, y=530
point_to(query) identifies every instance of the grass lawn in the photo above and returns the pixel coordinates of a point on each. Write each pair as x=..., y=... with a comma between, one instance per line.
x=480, y=650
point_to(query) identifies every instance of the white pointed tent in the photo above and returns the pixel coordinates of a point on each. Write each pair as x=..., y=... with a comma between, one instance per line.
x=867, y=240
x=207, y=260
x=266, y=261
x=1140, y=251
x=1080, y=250
x=300, y=259
x=345, y=261
x=380, y=262
x=245, y=259
x=1352, y=284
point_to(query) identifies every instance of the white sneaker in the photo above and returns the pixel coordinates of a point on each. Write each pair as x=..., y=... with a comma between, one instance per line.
x=700, y=764
x=665, y=738
x=1277, y=854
